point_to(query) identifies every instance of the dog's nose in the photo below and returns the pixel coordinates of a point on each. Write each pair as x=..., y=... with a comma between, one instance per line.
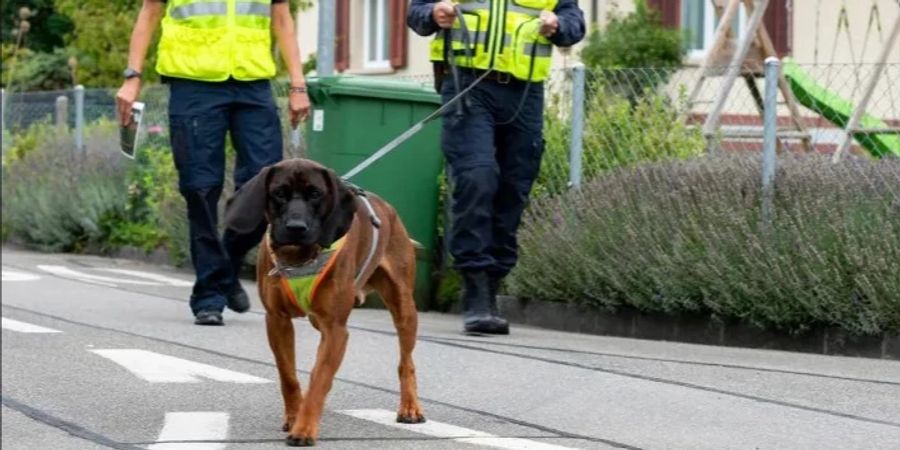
x=297, y=226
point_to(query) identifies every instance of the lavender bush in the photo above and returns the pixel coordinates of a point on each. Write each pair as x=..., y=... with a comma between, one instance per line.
x=686, y=237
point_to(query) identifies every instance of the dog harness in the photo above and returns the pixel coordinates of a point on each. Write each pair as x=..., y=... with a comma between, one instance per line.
x=300, y=283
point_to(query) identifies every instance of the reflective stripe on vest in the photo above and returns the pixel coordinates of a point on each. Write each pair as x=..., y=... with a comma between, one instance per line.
x=217, y=40
x=199, y=9
x=503, y=35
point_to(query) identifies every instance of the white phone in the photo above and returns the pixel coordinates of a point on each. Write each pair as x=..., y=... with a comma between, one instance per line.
x=128, y=139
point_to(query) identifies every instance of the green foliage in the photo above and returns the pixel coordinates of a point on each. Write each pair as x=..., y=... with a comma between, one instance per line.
x=617, y=134
x=27, y=141
x=310, y=64
x=684, y=237
x=101, y=38
x=47, y=28
x=36, y=71
x=638, y=40
x=56, y=200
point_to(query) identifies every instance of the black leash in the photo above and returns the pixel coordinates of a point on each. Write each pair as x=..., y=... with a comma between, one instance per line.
x=450, y=57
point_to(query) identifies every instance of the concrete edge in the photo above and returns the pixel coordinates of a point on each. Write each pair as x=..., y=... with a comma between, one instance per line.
x=696, y=329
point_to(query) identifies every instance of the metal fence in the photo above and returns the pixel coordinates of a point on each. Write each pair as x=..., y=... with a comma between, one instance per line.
x=596, y=120
x=604, y=119
x=75, y=111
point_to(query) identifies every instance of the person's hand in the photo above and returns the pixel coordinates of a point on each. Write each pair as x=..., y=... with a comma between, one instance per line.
x=298, y=107
x=444, y=14
x=549, y=23
x=126, y=97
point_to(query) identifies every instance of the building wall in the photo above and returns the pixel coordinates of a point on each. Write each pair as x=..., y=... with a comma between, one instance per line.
x=814, y=35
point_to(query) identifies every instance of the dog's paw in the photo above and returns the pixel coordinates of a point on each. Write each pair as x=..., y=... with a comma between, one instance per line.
x=287, y=424
x=410, y=419
x=300, y=442
x=302, y=435
x=410, y=415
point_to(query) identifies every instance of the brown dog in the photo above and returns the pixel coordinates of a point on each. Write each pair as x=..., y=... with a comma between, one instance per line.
x=308, y=209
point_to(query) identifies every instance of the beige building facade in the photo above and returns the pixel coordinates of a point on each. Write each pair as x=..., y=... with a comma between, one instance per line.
x=810, y=29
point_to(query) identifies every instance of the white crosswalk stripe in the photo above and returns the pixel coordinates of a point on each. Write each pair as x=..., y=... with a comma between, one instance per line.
x=65, y=272
x=23, y=327
x=149, y=276
x=182, y=427
x=18, y=275
x=158, y=368
x=447, y=431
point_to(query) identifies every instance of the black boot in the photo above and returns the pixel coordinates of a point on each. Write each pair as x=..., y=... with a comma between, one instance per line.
x=477, y=316
x=493, y=289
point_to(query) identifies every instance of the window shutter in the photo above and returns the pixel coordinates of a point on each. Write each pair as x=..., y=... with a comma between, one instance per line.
x=342, y=35
x=398, y=33
x=670, y=10
x=778, y=23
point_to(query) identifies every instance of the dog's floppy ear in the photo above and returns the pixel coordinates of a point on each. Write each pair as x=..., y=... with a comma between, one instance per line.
x=245, y=211
x=338, y=217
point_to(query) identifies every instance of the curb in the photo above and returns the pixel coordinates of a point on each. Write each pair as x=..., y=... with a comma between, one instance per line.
x=694, y=330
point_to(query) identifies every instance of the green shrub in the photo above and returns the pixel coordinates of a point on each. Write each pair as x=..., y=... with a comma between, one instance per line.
x=26, y=141
x=685, y=237
x=637, y=40
x=616, y=134
x=36, y=71
x=56, y=200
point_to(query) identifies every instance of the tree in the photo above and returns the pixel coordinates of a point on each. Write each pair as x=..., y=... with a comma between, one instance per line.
x=101, y=37
x=47, y=27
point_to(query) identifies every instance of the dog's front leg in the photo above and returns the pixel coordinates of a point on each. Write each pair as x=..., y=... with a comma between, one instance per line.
x=332, y=346
x=280, y=330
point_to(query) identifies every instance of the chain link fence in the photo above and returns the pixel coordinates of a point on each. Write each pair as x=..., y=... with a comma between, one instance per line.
x=60, y=109
x=642, y=115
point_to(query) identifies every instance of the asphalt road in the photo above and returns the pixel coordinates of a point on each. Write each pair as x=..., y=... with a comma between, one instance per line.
x=101, y=353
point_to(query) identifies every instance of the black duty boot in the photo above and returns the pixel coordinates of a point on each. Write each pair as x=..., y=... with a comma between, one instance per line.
x=477, y=318
x=493, y=289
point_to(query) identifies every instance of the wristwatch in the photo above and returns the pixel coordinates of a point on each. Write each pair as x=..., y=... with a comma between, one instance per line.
x=130, y=73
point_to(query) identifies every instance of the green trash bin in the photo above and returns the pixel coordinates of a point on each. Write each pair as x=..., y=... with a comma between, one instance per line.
x=353, y=117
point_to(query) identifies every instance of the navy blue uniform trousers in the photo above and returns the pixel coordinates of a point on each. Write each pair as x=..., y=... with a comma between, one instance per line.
x=200, y=115
x=494, y=154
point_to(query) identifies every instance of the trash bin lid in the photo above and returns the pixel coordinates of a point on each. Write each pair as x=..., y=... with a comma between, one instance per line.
x=373, y=87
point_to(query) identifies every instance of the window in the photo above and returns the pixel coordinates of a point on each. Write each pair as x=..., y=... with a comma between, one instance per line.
x=699, y=22
x=377, y=37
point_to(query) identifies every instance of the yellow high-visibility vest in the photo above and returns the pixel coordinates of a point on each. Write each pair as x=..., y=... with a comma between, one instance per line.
x=503, y=36
x=216, y=40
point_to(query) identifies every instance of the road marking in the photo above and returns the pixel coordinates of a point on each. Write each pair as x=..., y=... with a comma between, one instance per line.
x=159, y=368
x=65, y=272
x=16, y=275
x=151, y=276
x=447, y=431
x=22, y=327
x=182, y=427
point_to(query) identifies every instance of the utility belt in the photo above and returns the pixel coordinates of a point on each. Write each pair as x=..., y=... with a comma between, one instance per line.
x=442, y=72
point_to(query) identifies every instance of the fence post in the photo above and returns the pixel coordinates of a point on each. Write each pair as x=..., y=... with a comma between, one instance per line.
x=79, y=118
x=3, y=116
x=325, y=51
x=575, y=141
x=62, y=112
x=770, y=130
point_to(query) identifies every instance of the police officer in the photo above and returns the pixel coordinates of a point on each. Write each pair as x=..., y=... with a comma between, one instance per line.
x=216, y=57
x=494, y=147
